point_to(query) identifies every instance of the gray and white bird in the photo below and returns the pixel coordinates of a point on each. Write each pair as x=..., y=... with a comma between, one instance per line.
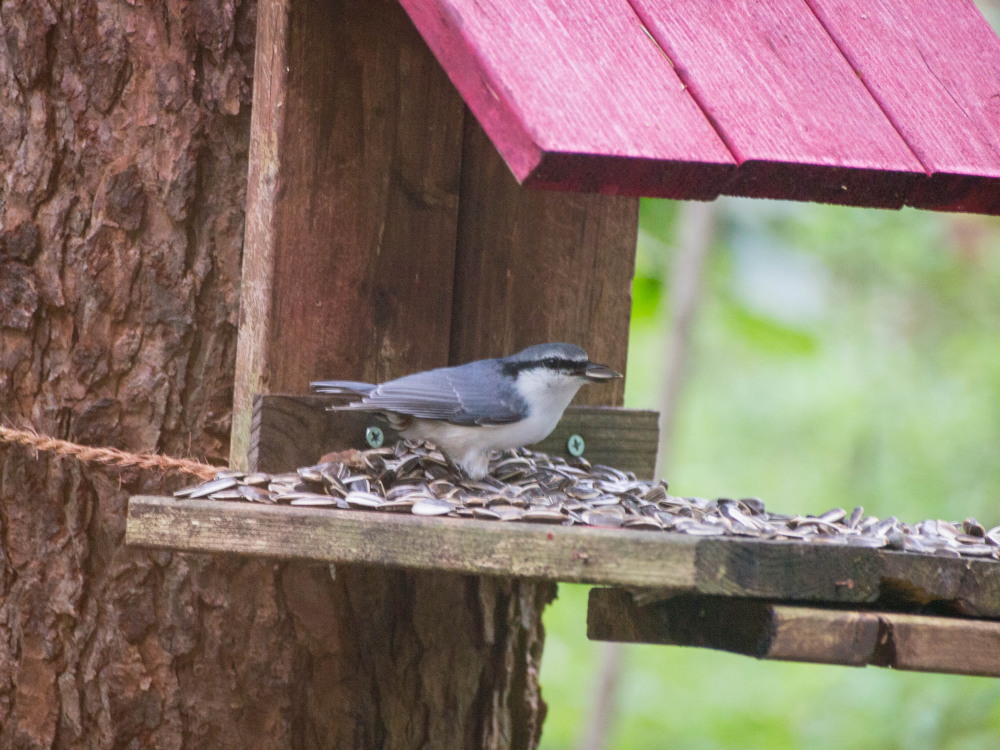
x=472, y=409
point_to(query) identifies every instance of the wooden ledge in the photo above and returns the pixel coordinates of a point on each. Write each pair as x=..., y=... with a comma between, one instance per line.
x=728, y=566
x=794, y=633
x=291, y=431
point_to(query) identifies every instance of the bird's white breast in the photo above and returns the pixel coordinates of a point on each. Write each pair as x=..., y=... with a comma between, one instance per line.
x=547, y=396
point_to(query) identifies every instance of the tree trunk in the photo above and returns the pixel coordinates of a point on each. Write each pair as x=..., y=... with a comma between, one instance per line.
x=124, y=134
x=123, y=145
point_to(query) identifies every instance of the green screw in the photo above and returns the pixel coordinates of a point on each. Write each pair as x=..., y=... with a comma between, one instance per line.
x=374, y=436
x=575, y=445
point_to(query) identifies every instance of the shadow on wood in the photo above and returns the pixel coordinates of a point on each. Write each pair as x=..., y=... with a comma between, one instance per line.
x=795, y=633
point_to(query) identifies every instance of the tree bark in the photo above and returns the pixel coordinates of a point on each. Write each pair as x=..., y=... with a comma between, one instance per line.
x=123, y=147
x=124, y=137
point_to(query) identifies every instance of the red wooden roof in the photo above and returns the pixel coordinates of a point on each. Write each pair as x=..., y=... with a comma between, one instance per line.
x=864, y=102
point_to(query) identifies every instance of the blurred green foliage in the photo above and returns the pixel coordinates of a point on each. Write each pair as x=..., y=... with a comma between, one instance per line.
x=840, y=357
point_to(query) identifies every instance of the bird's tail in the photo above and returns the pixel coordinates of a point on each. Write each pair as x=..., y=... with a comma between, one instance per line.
x=345, y=392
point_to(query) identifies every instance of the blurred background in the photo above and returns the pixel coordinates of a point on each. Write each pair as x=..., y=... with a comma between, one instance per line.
x=819, y=357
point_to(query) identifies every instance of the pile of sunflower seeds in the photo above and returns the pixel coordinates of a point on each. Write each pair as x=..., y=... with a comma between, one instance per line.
x=538, y=488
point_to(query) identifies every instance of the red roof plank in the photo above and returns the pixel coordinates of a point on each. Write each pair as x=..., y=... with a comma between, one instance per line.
x=575, y=95
x=934, y=67
x=792, y=111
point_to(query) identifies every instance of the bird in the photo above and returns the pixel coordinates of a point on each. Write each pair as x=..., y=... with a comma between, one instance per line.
x=469, y=410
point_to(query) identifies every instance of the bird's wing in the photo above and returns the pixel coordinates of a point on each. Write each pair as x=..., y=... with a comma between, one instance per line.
x=345, y=391
x=461, y=395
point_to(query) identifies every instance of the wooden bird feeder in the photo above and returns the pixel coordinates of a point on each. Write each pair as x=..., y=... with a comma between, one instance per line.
x=386, y=233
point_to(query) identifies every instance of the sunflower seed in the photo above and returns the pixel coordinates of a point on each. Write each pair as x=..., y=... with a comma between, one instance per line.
x=978, y=550
x=214, y=485
x=234, y=494
x=362, y=499
x=866, y=541
x=533, y=487
x=833, y=516
x=256, y=494
x=311, y=474
x=543, y=515
x=508, y=513
x=397, y=506
x=314, y=500
x=431, y=506
x=643, y=522
x=972, y=527
x=485, y=513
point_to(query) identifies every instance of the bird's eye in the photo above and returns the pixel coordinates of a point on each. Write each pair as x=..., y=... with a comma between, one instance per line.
x=551, y=362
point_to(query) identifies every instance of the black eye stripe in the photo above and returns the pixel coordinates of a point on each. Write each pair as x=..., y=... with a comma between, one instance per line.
x=561, y=363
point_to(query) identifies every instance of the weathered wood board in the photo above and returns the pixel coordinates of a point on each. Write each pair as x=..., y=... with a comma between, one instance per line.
x=736, y=567
x=523, y=263
x=354, y=123
x=292, y=431
x=766, y=630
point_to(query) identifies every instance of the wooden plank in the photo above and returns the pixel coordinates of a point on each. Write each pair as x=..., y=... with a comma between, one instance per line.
x=552, y=553
x=352, y=204
x=943, y=645
x=729, y=567
x=793, y=113
x=536, y=266
x=794, y=633
x=743, y=626
x=624, y=438
x=293, y=431
x=576, y=96
x=932, y=67
x=813, y=572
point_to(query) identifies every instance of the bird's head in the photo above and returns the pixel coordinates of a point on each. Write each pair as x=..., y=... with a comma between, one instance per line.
x=556, y=365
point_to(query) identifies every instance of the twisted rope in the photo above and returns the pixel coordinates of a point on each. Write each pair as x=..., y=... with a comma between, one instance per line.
x=106, y=456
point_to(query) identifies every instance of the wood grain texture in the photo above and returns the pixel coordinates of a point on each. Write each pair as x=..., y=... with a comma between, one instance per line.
x=293, y=431
x=790, y=109
x=550, y=553
x=794, y=633
x=743, y=626
x=942, y=645
x=355, y=169
x=726, y=567
x=933, y=68
x=350, y=247
x=533, y=266
x=536, y=266
x=576, y=96
x=824, y=573
x=361, y=202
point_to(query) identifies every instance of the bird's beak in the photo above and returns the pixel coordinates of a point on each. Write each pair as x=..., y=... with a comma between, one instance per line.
x=596, y=372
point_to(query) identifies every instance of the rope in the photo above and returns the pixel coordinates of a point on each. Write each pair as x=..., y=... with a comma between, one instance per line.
x=106, y=456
